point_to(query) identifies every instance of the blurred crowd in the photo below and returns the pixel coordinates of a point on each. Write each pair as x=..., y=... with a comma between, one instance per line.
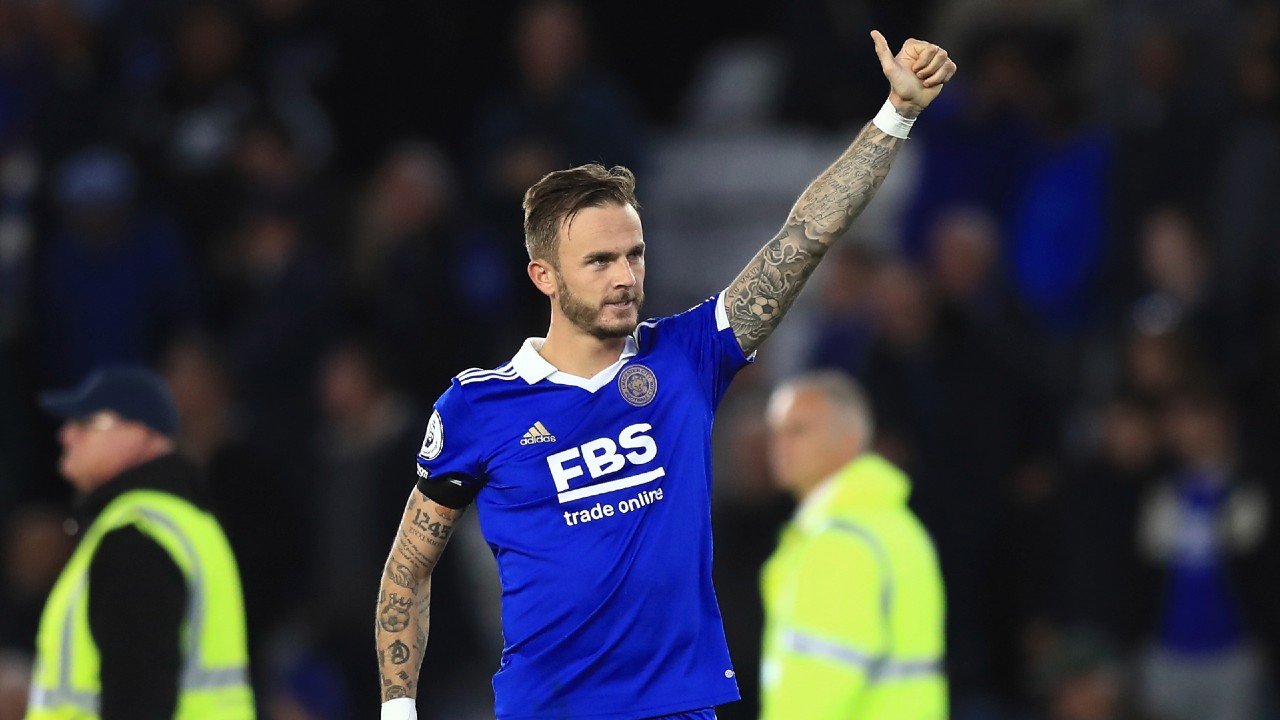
x=1061, y=305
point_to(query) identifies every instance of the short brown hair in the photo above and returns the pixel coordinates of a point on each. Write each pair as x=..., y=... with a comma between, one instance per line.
x=559, y=195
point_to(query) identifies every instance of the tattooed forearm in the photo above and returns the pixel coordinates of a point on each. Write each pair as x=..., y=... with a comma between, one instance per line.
x=401, y=575
x=766, y=288
x=399, y=653
x=400, y=644
x=404, y=600
x=422, y=563
x=394, y=615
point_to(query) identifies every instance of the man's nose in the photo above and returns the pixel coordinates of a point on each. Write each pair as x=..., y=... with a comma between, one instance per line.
x=624, y=275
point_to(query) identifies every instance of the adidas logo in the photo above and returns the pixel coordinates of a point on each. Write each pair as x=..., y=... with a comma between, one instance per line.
x=537, y=434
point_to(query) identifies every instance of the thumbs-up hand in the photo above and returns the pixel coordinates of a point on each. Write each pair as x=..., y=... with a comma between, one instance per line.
x=916, y=74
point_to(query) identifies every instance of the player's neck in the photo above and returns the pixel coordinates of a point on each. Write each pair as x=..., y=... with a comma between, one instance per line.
x=572, y=351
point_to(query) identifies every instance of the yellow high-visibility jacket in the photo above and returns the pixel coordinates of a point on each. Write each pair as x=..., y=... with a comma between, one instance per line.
x=854, y=606
x=214, y=680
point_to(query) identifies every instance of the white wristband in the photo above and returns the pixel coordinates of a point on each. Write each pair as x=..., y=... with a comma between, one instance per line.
x=400, y=709
x=891, y=122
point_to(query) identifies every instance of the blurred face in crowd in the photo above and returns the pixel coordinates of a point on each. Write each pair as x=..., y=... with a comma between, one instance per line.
x=903, y=304
x=809, y=438
x=1159, y=59
x=36, y=548
x=348, y=387
x=200, y=389
x=964, y=253
x=1199, y=432
x=208, y=44
x=1154, y=364
x=411, y=192
x=1088, y=696
x=847, y=282
x=599, y=281
x=550, y=42
x=99, y=447
x=1171, y=255
x=269, y=243
x=1129, y=438
x=1005, y=76
x=264, y=157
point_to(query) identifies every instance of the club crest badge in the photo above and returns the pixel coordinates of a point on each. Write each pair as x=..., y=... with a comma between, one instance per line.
x=433, y=443
x=638, y=385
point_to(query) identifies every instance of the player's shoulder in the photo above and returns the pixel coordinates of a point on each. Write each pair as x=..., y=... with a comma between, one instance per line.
x=475, y=377
x=691, y=320
x=471, y=401
x=471, y=387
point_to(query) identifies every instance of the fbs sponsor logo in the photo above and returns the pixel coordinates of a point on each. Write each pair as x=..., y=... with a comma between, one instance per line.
x=537, y=434
x=603, y=457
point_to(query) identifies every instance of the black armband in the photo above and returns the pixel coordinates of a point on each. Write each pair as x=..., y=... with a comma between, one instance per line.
x=448, y=490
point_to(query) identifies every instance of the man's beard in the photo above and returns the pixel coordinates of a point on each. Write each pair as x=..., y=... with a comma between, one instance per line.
x=587, y=316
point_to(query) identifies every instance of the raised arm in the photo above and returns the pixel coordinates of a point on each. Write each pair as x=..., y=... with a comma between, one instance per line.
x=404, y=600
x=766, y=288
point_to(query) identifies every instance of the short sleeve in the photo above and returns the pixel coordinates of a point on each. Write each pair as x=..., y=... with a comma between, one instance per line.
x=449, y=467
x=703, y=332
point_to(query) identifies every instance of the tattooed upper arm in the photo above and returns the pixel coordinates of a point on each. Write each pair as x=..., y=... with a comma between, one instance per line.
x=424, y=531
x=764, y=291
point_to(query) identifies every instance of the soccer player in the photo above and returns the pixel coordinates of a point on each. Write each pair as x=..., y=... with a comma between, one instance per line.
x=588, y=454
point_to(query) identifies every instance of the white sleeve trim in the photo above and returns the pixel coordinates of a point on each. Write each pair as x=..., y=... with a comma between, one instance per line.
x=722, y=315
x=722, y=322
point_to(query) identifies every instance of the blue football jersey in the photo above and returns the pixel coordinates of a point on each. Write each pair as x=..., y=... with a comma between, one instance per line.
x=595, y=497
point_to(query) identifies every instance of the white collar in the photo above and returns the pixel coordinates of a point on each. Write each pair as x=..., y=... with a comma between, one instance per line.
x=532, y=367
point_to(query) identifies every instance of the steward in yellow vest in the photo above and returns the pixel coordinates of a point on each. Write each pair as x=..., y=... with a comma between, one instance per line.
x=853, y=596
x=147, y=618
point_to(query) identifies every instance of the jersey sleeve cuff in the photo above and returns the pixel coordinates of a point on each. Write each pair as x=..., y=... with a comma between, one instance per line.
x=722, y=323
x=450, y=492
x=722, y=315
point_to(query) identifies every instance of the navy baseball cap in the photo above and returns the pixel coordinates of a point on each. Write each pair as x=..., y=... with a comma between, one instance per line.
x=132, y=392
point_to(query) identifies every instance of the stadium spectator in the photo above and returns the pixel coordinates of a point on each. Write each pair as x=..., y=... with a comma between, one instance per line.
x=103, y=648
x=407, y=227
x=844, y=322
x=1209, y=527
x=853, y=595
x=282, y=308
x=114, y=283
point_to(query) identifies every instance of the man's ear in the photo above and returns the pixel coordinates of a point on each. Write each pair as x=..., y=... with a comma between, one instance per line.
x=543, y=277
